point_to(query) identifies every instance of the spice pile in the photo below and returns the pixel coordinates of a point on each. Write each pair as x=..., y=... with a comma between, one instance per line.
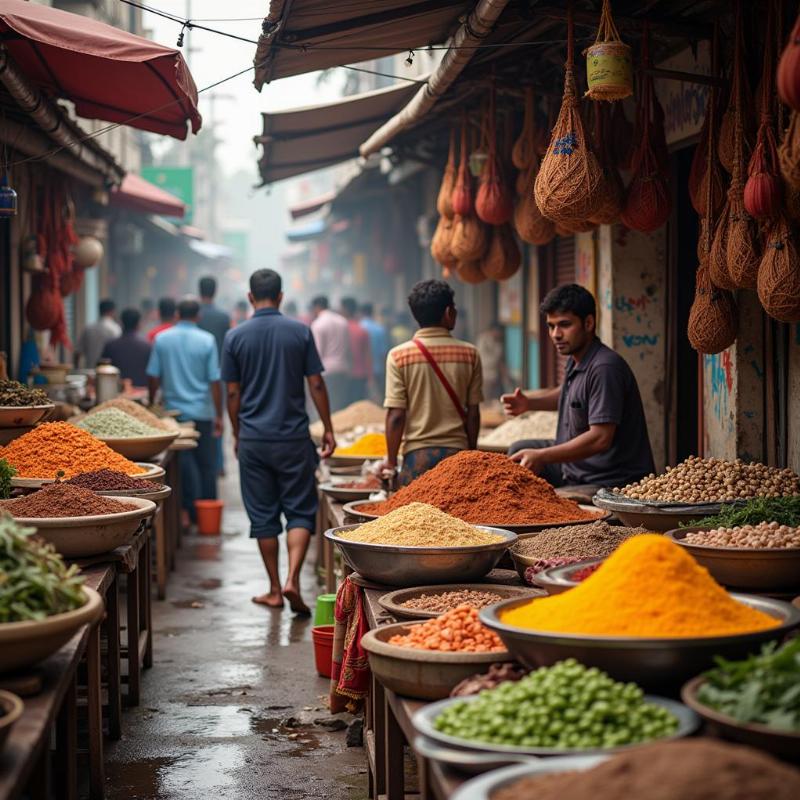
x=708, y=480
x=59, y=446
x=447, y=600
x=35, y=581
x=457, y=631
x=134, y=409
x=533, y=425
x=16, y=395
x=420, y=525
x=63, y=500
x=770, y=535
x=649, y=587
x=363, y=413
x=485, y=488
x=577, y=542
x=691, y=769
x=115, y=424
x=566, y=706
x=762, y=689
x=105, y=480
x=370, y=444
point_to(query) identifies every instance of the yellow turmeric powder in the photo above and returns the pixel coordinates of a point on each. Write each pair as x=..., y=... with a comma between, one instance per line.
x=370, y=444
x=649, y=587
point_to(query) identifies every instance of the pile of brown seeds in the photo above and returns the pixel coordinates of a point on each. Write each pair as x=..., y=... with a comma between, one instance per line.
x=447, y=600
x=765, y=534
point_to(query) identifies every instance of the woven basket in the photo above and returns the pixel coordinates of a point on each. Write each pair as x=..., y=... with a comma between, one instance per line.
x=789, y=152
x=470, y=239
x=609, y=72
x=718, y=257
x=503, y=258
x=444, y=201
x=743, y=245
x=779, y=274
x=470, y=272
x=713, y=317
x=440, y=244
x=523, y=152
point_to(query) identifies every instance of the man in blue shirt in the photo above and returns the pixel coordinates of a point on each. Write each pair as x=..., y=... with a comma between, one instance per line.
x=379, y=348
x=185, y=366
x=266, y=362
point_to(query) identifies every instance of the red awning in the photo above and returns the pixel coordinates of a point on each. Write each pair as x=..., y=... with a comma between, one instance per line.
x=107, y=73
x=137, y=194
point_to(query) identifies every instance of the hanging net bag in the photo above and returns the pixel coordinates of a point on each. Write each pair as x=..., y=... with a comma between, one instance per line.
x=470, y=271
x=494, y=203
x=444, y=201
x=524, y=150
x=470, y=238
x=440, y=244
x=503, y=257
x=608, y=62
x=531, y=226
x=779, y=274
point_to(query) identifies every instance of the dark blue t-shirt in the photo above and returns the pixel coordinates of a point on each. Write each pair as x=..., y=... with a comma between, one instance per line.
x=270, y=356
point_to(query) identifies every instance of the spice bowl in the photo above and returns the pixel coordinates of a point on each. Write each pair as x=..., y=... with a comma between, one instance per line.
x=766, y=569
x=11, y=708
x=651, y=662
x=81, y=537
x=141, y=447
x=157, y=495
x=784, y=744
x=417, y=673
x=660, y=517
x=393, y=565
x=345, y=494
x=20, y=416
x=25, y=643
x=556, y=580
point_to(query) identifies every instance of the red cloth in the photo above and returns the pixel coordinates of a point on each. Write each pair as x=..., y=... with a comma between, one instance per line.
x=137, y=194
x=350, y=676
x=151, y=335
x=359, y=349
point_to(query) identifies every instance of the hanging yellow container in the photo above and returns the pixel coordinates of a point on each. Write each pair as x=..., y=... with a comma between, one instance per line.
x=609, y=70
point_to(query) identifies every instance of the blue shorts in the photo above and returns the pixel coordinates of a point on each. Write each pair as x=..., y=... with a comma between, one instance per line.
x=278, y=478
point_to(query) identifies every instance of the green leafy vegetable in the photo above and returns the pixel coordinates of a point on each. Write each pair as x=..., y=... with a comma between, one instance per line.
x=7, y=472
x=783, y=510
x=764, y=689
x=34, y=581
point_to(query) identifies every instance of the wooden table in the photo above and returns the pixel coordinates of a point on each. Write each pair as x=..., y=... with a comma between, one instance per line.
x=167, y=521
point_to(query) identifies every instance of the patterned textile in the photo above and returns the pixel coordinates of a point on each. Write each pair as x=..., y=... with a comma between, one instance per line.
x=418, y=461
x=350, y=676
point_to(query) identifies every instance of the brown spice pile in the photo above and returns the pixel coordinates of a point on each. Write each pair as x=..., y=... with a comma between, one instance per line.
x=447, y=600
x=594, y=540
x=692, y=769
x=485, y=489
x=103, y=480
x=63, y=500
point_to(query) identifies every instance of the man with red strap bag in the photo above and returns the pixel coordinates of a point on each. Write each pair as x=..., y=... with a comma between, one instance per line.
x=434, y=385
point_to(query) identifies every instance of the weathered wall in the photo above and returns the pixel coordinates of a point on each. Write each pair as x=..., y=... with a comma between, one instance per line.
x=793, y=455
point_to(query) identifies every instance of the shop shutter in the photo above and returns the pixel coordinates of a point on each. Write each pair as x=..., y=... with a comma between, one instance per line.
x=564, y=272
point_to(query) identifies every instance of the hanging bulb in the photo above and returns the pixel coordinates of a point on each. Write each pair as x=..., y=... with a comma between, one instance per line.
x=8, y=198
x=410, y=59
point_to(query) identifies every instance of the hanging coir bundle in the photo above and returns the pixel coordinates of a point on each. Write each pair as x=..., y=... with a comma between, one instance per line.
x=713, y=318
x=718, y=257
x=470, y=272
x=444, y=202
x=440, y=244
x=494, y=203
x=569, y=181
x=529, y=223
x=789, y=70
x=503, y=258
x=789, y=152
x=578, y=226
x=779, y=273
x=523, y=151
x=698, y=185
x=470, y=238
x=462, y=200
x=608, y=62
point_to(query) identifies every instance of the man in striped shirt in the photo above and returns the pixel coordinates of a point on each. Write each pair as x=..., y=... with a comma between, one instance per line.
x=433, y=387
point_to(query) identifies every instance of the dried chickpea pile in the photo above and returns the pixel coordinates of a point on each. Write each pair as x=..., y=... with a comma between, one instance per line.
x=771, y=535
x=447, y=600
x=457, y=631
x=708, y=480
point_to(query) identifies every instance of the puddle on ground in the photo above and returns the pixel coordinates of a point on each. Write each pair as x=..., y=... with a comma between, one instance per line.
x=290, y=629
x=208, y=583
x=138, y=779
x=211, y=768
x=303, y=740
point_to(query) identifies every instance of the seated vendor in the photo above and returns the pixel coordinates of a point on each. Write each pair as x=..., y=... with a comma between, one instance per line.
x=601, y=438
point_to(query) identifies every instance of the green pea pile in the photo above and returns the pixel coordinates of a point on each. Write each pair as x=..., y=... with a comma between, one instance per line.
x=566, y=706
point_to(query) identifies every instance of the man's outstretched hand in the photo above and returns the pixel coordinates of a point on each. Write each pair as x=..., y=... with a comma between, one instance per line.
x=515, y=404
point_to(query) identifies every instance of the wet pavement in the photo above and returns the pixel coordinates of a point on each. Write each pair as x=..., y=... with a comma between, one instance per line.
x=233, y=706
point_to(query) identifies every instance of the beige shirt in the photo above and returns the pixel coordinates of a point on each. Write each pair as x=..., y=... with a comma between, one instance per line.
x=431, y=417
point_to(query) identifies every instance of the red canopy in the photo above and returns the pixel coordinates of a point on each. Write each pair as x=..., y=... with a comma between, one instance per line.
x=107, y=73
x=137, y=194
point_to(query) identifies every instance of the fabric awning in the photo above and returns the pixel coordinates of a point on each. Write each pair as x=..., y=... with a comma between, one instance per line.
x=307, y=35
x=304, y=139
x=108, y=73
x=311, y=206
x=137, y=194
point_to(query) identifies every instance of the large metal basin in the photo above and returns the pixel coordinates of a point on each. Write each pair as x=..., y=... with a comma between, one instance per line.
x=413, y=566
x=653, y=663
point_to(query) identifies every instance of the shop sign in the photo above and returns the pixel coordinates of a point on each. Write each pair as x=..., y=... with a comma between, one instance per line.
x=178, y=181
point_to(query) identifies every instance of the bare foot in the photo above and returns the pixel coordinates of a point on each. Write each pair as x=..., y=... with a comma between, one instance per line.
x=292, y=594
x=271, y=600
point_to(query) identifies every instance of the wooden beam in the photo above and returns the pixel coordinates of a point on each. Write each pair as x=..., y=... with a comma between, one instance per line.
x=688, y=77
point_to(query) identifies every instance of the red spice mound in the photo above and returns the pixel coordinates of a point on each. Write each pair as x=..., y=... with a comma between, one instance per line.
x=485, y=489
x=63, y=500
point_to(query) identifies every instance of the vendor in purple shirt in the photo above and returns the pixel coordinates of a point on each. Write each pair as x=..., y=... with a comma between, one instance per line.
x=601, y=438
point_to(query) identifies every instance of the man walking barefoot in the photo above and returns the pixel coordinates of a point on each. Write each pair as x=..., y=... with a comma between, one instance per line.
x=265, y=362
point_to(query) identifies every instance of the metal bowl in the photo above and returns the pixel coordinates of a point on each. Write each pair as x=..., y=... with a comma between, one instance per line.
x=763, y=569
x=19, y=416
x=393, y=601
x=655, y=517
x=141, y=447
x=152, y=472
x=422, y=674
x=559, y=579
x=354, y=510
x=780, y=743
x=484, y=787
x=423, y=722
x=653, y=662
x=409, y=566
x=332, y=489
x=350, y=461
x=157, y=495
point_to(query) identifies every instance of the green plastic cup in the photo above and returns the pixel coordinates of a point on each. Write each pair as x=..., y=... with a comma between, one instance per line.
x=323, y=611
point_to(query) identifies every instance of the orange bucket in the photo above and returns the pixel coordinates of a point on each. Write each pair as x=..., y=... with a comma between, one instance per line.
x=209, y=516
x=322, y=636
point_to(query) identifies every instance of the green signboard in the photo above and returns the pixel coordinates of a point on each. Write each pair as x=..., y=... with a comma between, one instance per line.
x=178, y=181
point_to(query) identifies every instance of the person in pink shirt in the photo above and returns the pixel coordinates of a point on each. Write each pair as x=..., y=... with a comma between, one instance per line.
x=361, y=364
x=166, y=311
x=332, y=338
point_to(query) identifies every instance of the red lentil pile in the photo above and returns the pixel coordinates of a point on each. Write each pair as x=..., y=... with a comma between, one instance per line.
x=63, y=500
x=485, y=489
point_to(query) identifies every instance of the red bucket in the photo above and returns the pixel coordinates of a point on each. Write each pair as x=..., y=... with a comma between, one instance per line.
x=209, y=516
x=322, y=637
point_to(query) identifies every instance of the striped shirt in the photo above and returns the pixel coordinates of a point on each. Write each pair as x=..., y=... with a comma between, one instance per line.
x=431, y=417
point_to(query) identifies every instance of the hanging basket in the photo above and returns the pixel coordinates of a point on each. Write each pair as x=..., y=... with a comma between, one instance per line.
x=440, y=244
x=779, y=274
x=470, y=272
x=718, y=257
x=503, y=258
x=609, y=72
x=523, y=152
x=743, y=246
x=462, y=200
x=529, y=223
x=789, y=70
x=42, y=308
x=789, y=152
x=444, y=201
x=470, y=238
x=713, y=317
x=763, y=192
x=494, y=203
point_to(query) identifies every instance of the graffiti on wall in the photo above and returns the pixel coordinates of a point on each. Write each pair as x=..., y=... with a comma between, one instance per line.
x=719, y=384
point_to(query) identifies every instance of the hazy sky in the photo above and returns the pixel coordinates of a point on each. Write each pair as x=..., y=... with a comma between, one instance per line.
x=238, y=105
